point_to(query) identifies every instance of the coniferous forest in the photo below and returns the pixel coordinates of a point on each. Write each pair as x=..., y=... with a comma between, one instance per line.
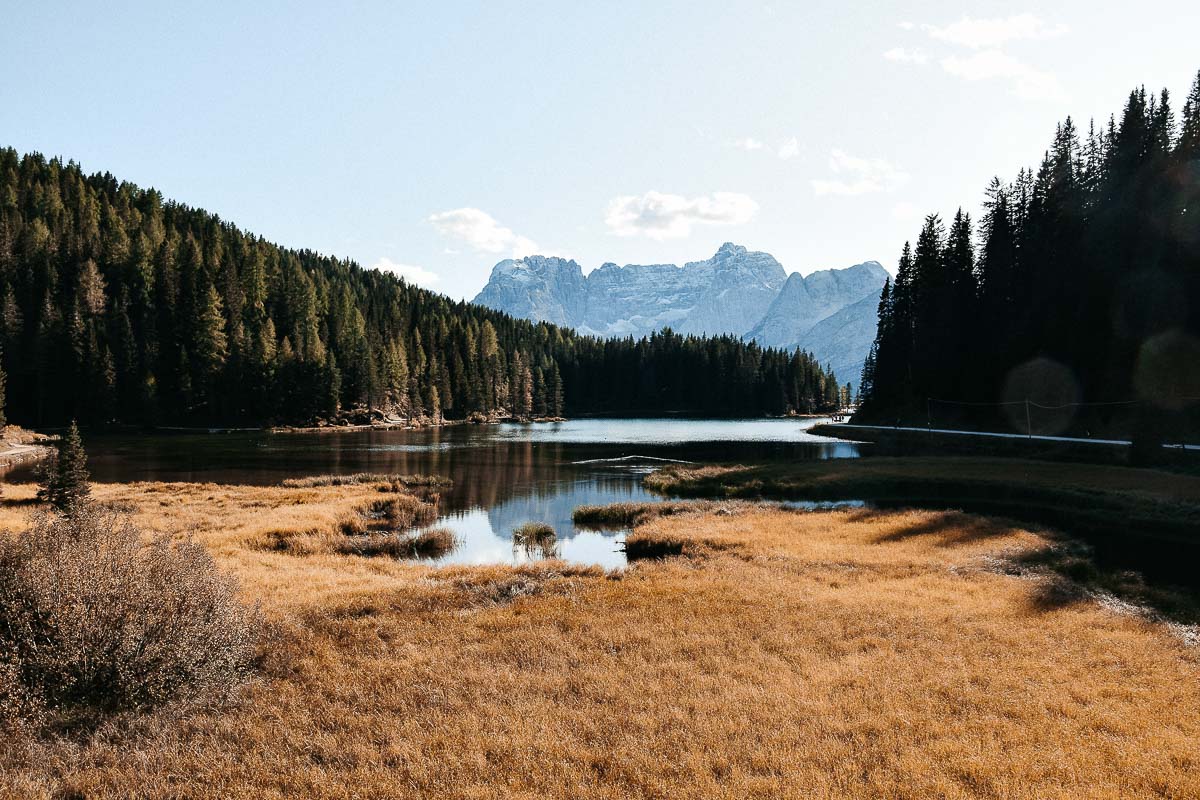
x=119, y=307
x=1072, y=306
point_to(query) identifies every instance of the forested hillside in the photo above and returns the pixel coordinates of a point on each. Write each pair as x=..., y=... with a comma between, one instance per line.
x=1079, y=292
x=118, y=306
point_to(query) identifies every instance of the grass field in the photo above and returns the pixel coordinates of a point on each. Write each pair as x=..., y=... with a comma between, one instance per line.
x=782, y=654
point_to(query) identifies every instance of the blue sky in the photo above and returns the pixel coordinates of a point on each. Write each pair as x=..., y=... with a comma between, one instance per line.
x=437, y=139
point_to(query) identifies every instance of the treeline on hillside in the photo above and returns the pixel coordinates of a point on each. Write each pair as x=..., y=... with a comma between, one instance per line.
x=119, y=307
x=1079, y=292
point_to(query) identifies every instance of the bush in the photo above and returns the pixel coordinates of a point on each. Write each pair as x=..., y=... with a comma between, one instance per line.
x=97, y=619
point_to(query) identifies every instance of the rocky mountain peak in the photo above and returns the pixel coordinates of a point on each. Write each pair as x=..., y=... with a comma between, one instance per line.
x=737, y=291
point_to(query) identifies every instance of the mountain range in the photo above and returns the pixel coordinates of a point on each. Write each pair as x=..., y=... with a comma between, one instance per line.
x=831, y=313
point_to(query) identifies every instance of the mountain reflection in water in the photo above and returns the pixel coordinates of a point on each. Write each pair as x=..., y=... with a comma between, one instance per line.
x=504, y=475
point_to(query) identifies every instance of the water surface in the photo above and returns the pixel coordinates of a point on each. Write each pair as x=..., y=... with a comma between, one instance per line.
x=504, y=475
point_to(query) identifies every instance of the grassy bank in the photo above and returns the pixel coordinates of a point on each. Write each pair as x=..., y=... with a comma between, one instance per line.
x=1149, y=516
x=847, y=653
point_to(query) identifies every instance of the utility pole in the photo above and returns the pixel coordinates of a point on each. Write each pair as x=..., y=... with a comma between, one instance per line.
x=1028, y=424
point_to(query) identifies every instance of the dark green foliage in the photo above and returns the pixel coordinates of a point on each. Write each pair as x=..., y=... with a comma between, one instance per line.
x=1083, y=292
x=66, y=481
x=119, y=307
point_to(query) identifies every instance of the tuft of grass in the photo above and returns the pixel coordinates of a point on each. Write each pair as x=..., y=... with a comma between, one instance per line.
x=628, y=515
x=429, y=543
x=402, y=511
x=390, y=514
x=533, y=533
x=354, y=524
x=647, y=545
x=537, y=539
x=393, y=481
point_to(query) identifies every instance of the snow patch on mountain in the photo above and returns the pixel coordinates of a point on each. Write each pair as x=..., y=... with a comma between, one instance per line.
x=745, y=293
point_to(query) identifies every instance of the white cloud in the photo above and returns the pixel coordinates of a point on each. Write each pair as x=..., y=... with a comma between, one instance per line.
x=859, y=176
x=409, y=272
x=671, y=216
x=985, y=37
x=908, y=26
x=748, y=144
x=916, y=56
x=1027, y=81
x=789, y=149
x=482, y=232
x=986, y=33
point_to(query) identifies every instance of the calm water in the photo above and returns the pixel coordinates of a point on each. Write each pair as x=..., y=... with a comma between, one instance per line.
x=504, y=475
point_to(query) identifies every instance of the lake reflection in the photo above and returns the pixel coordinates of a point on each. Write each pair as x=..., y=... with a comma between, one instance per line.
x=504, y=475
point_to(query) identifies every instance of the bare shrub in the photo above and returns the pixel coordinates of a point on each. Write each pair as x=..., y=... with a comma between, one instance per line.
x=19, y=708
x=95, y=618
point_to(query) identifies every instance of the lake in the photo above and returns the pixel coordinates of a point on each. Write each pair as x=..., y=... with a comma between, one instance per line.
x=504, y=475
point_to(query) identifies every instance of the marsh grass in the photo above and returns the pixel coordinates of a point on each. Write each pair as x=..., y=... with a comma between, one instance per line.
x=429, y=543
x=1145, y=519
x=391, y=515
x=627, y=515
x=395, y=482
x=495, y=585
x=848, y=653
x=537, y=540
x=533, y=533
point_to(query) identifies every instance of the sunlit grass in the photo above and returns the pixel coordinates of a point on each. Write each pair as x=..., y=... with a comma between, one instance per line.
x=849, y=653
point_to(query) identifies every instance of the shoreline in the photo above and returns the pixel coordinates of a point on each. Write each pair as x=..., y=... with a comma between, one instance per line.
x=398, y=425
x=910, y=441
x=21, y=446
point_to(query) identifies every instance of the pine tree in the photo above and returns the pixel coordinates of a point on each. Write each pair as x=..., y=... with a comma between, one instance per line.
x=3, y=421
x=331, y=402
x=434, y=404
x=555, y=391
x=65, y=481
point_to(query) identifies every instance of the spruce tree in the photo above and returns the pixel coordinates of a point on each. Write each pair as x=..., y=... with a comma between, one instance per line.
x=65, y=481
x=555, y=391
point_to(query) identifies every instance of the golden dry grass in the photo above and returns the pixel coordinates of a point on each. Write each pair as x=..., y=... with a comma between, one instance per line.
x=832, y=654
